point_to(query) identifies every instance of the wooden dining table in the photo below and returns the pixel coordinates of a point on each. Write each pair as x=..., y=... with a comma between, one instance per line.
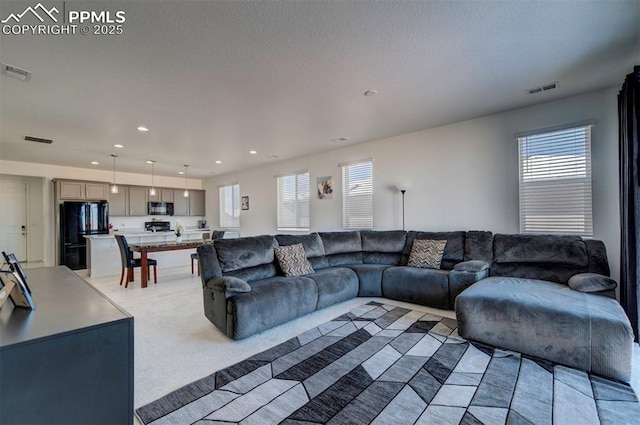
x=146, y=248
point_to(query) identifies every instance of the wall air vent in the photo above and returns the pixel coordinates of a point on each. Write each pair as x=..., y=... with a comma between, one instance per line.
x=544, y=87
x=15, y=72
x=38, y=140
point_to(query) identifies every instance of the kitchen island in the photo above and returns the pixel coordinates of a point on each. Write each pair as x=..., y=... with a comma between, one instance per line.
x=103, y=254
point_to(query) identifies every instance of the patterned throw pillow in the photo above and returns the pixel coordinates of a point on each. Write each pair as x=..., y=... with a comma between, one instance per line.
x=426, y=253
x=293, y=260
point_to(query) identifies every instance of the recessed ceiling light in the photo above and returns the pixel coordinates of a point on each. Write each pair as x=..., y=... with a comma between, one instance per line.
x=370, y=92
x=180, y=172
x=274, y=156
x=143, y=128
x=95, y=163
x=253, y=152
x=218, y=162
x=150, y=161
x=118, y=146
x=339, y=140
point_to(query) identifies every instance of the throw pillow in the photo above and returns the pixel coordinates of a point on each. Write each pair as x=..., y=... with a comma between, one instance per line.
x=473, y=266
x=292, y=260
x=426, y=253
x=591, y=282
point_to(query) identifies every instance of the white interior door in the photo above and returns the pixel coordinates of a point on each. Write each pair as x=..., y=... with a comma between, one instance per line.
x=13, y=218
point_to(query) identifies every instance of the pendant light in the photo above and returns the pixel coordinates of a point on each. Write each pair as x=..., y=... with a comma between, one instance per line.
x=114, y=188
x=152, y=191
x=186, y=191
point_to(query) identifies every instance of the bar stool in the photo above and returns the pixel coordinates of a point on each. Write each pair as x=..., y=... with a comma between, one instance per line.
x=217, y=234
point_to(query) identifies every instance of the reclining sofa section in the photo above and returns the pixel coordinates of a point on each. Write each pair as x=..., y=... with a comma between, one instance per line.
x=245, y=292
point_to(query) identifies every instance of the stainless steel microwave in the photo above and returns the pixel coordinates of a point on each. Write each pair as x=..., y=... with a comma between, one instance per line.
x=160, y=208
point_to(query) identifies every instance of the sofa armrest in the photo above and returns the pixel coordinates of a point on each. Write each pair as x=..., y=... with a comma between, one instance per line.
x=473, y=266
x=460, y=280
x=228, y=284
x=591, y=283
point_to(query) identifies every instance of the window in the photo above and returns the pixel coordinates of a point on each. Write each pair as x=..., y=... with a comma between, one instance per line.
x=555, y=182
x=357, y=195
x=229, y=197
x=293, y=202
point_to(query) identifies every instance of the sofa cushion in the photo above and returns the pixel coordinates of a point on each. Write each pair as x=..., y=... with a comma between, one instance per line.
x=313, y=248
x=453, y=251
x=370, y=277
x=292, y=260
x=251, y=274
x=420, y=286
x=549, y=321
x=426, y=253
x=382, y=247
x=271, y=302
x=341, y=242
x=549, y=249
x=591, y=282
x=240, y=253
x=335, y=284
x=478, y=245
x=342, y=248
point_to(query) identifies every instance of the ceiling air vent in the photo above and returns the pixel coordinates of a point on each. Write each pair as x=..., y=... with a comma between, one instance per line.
x=38, y=140
x=542, y=88
x=15, y=72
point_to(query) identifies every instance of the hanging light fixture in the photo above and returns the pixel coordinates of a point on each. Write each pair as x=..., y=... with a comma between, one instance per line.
x=114, y=188
x=186, y=191
x=152, y=191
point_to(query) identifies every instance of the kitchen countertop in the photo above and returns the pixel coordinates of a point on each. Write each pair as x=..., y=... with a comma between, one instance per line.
x=142, y=233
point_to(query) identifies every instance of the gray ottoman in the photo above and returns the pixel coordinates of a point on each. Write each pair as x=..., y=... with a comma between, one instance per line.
x=550, y=321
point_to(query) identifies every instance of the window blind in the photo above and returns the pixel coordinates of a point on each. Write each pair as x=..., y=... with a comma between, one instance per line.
x=229, y=201
x=293, y=202
x=357, y=195
x=555, y=182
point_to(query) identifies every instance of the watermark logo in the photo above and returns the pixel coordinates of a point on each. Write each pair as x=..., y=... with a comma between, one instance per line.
x=34, y=12
x=50, y=21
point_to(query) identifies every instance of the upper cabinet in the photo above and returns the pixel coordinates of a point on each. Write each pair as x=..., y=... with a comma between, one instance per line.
x=119, y=202
x=196, y=202
x=131, y=200
x=180, y=203
x=71, y=189
x=138, y=198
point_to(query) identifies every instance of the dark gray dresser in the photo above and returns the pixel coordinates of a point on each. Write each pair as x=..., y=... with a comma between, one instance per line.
x=69, y=361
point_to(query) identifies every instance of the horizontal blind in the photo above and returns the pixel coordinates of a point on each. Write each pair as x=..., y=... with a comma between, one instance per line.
x=229, y=201
x=555, y=182
x=293, y=202
x=357, y=195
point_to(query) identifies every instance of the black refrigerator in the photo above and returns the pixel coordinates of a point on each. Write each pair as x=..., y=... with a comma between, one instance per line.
x=78, y=219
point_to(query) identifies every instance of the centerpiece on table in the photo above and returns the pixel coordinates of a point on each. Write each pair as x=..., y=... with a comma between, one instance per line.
x=179, y=231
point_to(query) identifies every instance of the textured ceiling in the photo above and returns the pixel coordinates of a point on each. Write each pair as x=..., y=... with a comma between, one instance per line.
x=214, y=79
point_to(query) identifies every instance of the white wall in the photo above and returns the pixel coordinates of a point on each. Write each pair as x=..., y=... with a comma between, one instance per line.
x=42, y=222
x=459, y=176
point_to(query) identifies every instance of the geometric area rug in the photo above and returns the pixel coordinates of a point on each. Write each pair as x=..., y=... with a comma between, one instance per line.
x=382, y=364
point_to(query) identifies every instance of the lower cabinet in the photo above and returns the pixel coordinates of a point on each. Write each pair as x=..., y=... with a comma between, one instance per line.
x=70, y=361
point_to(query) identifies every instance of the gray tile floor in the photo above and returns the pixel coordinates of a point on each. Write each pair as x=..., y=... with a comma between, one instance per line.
x=175, y=344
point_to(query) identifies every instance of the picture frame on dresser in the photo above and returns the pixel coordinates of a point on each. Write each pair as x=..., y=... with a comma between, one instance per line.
x=17, y=289
x=15, y=266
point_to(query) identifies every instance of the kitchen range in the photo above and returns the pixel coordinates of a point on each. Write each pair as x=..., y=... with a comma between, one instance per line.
x=157, y=226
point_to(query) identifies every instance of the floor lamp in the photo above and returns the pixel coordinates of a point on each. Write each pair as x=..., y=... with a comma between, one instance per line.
x=402, y=190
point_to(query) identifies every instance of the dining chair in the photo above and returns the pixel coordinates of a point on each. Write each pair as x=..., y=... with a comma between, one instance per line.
x=217, y=234
x=129, y=263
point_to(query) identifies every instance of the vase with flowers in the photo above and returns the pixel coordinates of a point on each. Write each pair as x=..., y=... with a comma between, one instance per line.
x=179, y=231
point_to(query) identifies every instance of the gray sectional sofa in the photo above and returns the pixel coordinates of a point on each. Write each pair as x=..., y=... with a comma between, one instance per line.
x=245, y=292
